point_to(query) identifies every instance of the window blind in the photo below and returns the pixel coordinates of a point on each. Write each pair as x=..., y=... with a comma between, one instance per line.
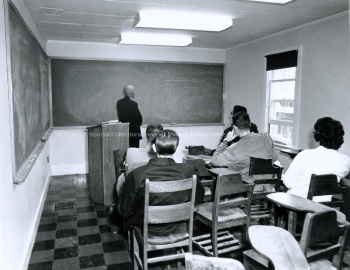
x=282, y=60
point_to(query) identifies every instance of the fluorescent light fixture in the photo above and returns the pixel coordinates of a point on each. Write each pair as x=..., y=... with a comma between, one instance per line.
x=154, y=39
x=182, y=20
x=281, y=2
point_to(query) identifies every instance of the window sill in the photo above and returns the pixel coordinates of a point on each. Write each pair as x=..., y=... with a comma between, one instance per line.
x=291, y=152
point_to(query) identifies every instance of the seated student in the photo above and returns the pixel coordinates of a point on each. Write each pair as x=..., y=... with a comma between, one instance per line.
x=237, y=156
x=162, y=168
x=144, y=154
x=136, y=155
x=324, y=159
x=237, y=109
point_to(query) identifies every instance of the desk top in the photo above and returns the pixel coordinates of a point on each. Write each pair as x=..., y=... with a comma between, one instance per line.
x=297, y=203
x=291, y=152
x=206, y=158
x=225, y=171
x=278, y=246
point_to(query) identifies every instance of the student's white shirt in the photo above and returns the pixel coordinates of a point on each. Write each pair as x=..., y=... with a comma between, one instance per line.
x=314, y=161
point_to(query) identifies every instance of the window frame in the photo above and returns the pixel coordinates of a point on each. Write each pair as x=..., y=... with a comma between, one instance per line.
x=296, y=115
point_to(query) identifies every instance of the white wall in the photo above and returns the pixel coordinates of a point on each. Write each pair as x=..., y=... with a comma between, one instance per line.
x=103, y=51
x=69, y=154
x=325, y=79
x=20, y=204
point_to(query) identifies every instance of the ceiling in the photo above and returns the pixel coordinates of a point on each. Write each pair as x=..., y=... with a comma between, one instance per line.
x=102, y=21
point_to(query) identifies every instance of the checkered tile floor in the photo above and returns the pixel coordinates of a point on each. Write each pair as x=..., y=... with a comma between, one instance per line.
x=79, y=238
x=76, y=238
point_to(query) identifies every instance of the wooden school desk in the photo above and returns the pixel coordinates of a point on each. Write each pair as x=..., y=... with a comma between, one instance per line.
x=295, y=204
x=277, y=246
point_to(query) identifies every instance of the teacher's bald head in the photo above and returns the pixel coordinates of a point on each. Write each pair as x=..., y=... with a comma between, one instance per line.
x=129, y=91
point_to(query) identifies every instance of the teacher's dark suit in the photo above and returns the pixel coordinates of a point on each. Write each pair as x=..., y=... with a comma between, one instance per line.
x=128, y=112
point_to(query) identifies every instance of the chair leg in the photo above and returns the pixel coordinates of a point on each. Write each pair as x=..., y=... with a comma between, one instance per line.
x=144, y=258
x=179, y=265
x=135, y=251
x=131, y=245
x=244, y=234
x=214, y=240
x=277, y=216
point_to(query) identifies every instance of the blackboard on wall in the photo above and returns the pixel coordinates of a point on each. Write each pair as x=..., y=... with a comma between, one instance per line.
x=30, y=93
x=85, y=92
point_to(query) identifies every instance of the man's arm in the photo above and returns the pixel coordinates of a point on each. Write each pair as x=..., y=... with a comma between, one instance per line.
x=222, y=156
x=226, y=131
x=128, y=201
x=138, y=116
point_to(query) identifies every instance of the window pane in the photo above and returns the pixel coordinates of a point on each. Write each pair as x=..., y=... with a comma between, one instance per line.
x=283, y=74
x=282, y=100
x=281, y=134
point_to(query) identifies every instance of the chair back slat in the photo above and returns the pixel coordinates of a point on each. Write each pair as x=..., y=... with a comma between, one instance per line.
x=230, y=184
x=318, y=227
x=170, y=186
x=326, y=184
x=265, y=181
x=260, y=166
x=160, y=214
x=233, y=203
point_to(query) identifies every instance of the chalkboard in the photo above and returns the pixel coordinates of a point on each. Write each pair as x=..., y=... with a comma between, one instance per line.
x=30, y=91
x=85, y=92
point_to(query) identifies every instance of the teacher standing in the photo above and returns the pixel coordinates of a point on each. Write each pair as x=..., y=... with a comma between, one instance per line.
x=128, y=112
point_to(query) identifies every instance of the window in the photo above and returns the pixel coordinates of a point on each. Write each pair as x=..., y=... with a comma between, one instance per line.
x=281, y=96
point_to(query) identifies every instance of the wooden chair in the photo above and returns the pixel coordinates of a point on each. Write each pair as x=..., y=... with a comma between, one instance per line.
x=223, y=213
x=327, y=184
x=317, y=240
x=165, y=214
x=204, y=176
x=196, y=150
x=273, y=174
x=316, y=244
x=199, y=262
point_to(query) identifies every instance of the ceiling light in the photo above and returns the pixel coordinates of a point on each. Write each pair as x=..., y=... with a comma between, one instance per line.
x=155, y=39
x=282, y=2
x=182, y=20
